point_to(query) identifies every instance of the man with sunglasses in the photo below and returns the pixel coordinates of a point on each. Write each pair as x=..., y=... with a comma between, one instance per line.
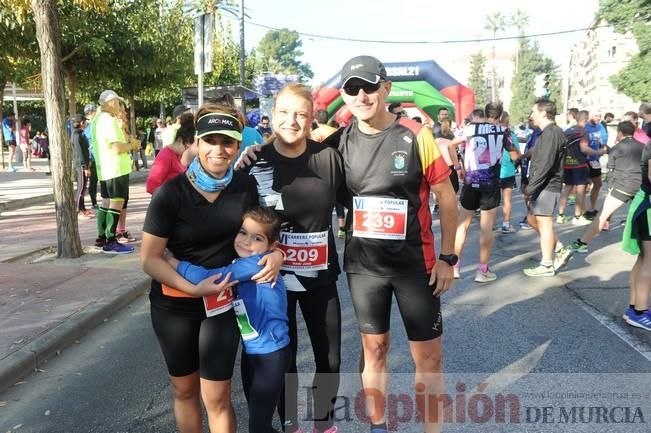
x=391, y=164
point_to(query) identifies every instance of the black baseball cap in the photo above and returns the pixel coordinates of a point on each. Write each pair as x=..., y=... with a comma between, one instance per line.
x=178, y=110
x=365, y=68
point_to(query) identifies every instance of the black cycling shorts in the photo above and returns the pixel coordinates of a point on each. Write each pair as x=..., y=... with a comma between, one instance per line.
x=419, y=308
x=484, y=197
x=197, y=343
x=643, y=232
x=507, y=182
x=576, y=176
x=115, y=188
x=594, y=172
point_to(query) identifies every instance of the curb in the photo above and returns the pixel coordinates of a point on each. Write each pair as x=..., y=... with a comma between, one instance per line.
x=24, y=361
x=21, y=203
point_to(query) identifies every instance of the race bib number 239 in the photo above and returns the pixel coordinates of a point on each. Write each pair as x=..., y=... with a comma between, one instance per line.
x=379, y=218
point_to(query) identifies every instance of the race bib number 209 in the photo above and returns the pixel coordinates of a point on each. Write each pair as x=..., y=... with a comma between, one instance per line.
x=379, y=218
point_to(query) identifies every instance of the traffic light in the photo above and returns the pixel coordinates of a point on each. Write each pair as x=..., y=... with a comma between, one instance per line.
x=541, y=85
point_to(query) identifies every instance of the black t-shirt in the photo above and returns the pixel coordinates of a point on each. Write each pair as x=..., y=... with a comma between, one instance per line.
x=198, y=231
x=644, y=165
x=574, y=158
x=303, y=190
x=389, y=174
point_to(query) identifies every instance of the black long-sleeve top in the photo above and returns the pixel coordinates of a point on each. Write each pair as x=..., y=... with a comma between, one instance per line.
x=81, y=158
x=546, y=165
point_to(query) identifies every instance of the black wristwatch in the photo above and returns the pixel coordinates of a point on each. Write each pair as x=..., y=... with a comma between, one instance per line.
x=450, y=259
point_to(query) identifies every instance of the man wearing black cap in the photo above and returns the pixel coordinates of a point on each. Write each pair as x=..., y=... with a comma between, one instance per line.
x=391, y=164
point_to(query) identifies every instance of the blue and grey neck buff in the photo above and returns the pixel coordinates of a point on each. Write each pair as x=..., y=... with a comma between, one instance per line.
x=204, y=181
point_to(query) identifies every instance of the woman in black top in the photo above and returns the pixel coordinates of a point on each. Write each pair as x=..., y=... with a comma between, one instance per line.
x=300, y=178
x=197, y=216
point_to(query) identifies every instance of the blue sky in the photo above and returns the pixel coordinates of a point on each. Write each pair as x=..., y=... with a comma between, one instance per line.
x=411, y=20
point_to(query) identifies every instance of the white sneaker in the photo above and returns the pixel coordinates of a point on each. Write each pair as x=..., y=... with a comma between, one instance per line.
x=561, y=257
x=484, y=277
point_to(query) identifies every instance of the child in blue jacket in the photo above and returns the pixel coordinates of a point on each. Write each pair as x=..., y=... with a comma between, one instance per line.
x=261, y=311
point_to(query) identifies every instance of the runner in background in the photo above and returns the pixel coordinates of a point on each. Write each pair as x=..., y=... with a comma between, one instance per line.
x=483, y=143
x=507, y=178
x=89, y=113
x=169, y=162
x=111, y=150
x=597, y=138
x=639, y=134
x=623, y=180
x=524, y=171
x=544, y=188
x=576, y=171
x=636, y=240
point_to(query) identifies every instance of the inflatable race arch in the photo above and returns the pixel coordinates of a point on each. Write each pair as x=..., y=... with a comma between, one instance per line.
x=423, y=84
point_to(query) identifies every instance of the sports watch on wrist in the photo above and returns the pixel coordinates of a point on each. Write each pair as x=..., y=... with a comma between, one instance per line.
x=450, y=259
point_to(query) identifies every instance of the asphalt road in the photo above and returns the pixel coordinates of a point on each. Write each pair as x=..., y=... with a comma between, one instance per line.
x=527, y=337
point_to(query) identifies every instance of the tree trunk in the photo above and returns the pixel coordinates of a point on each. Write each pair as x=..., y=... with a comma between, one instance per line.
x=71, y=76
x=49, y=42
x=132, y=116
x=494, y=82
x=3, y=83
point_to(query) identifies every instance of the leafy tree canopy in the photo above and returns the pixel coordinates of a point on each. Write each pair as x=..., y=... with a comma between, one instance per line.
x=632, y=16
x=280, y=51
x=531, y=62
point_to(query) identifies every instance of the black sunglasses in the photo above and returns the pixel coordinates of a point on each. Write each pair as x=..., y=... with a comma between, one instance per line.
x=353, y=89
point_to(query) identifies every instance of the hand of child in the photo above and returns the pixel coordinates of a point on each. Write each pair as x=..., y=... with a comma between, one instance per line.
x=272, y=263
x=209, y=286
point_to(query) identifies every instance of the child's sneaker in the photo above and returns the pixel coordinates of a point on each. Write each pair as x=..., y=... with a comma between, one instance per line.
x=560, y=219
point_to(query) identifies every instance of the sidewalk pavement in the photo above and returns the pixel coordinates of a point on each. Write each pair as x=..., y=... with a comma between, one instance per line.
x=23, y=188
x=47, y=304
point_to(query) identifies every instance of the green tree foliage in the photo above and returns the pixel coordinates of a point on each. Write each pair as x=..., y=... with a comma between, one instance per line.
x=519, y=19
x=279, y=52
x=531, y=62
x=632, y=16
x=495, y=22
x=477, y=80
x=226, y=59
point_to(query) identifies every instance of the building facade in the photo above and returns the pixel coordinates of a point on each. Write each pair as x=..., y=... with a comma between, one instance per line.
x=599, y=54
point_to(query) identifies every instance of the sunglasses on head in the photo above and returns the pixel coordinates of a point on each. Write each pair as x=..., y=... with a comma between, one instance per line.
x=353, y=89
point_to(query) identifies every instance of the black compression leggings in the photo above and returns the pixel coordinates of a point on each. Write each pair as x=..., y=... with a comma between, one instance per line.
x=322, y=313
x=262, y=380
